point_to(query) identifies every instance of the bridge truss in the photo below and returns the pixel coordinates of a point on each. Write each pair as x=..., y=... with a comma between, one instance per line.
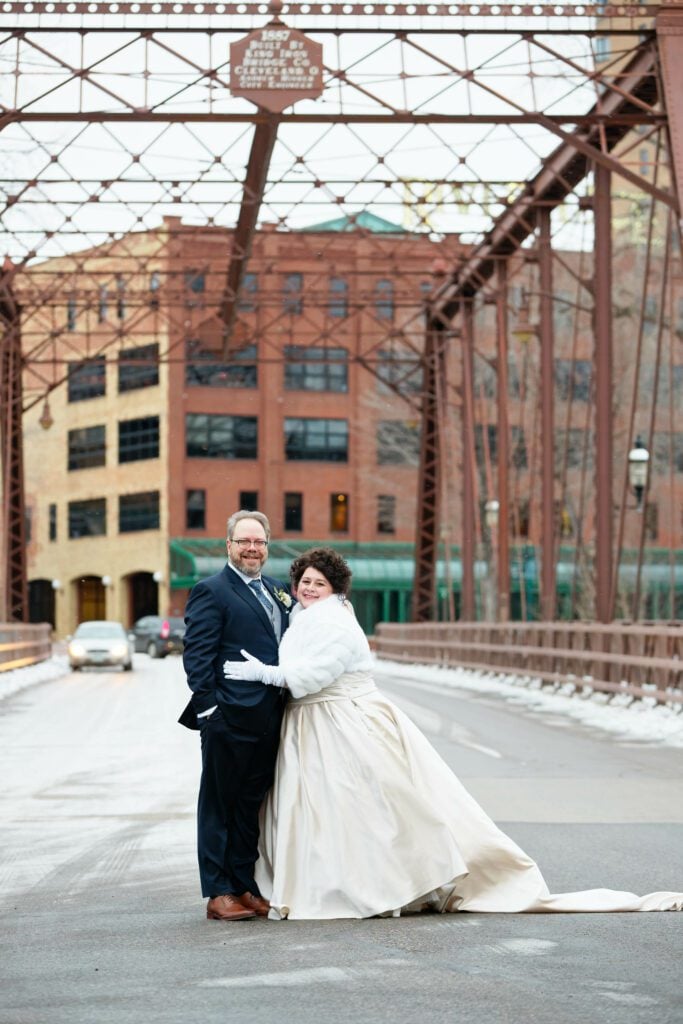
x=507, y=135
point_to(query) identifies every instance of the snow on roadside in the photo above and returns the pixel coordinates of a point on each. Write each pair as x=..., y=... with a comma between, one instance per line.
x=20, y=678
x=640, y=720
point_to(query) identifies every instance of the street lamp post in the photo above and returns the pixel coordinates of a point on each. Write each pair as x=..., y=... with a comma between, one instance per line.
x=638, y=469
x=491, y=516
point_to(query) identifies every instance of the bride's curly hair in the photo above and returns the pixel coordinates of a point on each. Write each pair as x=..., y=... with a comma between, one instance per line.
x=329, y=563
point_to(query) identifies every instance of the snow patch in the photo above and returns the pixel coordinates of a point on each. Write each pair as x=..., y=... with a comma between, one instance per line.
x=20, y=678
x=639, y=720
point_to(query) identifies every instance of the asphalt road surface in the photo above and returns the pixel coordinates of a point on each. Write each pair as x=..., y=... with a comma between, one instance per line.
x=102, y=922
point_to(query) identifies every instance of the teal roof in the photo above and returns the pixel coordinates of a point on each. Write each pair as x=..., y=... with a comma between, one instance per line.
x=363, y=220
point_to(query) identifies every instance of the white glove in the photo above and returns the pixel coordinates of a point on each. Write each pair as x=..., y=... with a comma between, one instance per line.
x=254, y=670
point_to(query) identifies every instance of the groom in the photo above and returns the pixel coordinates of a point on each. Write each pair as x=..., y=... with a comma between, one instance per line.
x=239, y=721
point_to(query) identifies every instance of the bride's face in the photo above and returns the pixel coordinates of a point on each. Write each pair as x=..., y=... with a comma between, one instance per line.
x=313, y=586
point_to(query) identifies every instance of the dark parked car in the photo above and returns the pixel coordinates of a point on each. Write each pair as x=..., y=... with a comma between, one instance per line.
x=158, y=637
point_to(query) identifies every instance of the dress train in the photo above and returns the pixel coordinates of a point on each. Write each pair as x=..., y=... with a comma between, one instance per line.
x=366, y=819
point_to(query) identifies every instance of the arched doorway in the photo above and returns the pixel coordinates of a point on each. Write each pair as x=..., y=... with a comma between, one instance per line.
x=91, y=598
x=41, y=602
x=143, y=596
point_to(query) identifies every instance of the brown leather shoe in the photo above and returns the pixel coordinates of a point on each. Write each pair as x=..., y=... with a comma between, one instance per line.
x=255, y=903
x=228, y=908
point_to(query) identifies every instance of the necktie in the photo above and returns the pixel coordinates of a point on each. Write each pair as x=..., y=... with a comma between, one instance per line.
x=255, y=585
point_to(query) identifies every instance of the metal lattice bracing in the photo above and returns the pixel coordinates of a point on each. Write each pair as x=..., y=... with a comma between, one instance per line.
x=458, y=124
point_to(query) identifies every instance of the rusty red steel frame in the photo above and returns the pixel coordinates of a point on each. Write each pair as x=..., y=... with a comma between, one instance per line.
x=148, y=83
x=633, y=660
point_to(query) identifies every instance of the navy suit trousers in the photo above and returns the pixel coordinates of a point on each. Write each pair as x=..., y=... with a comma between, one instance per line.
x=238, y=769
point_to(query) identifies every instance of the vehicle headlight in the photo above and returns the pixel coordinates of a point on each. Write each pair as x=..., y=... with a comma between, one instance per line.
x=119, y=650
x=76, y=650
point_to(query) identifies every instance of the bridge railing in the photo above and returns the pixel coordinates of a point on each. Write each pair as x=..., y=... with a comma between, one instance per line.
x=638, y=660
x=22, y=644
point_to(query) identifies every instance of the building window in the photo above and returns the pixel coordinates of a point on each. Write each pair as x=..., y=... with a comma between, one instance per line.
x=650, y=314
x=602, y=48
x=86, y=379
x=399, y=372
x=564, y=524
x=138, y=367
x=518, y=445
x=87, y=518
x=102, y=304
x=563, y=311
x=651, y=520
x=154, y=288
x=573, y=379
x=576, y=443
x=195, y=281
x=28, y=524
x=248, y=293
x=485, y=379
x=398, y=443
x=195, y=509
x=292, y=294
x=52, y=522
x=139, y=439
x=514, y=382
x=221, y=437
x=316, y=369
x=486, y=443
x=249, y=500
x=204, y=369
x=339, y=513
x=120, y=298
x=294, y=511
x=668, y=448
x=384, y=300
x=518, y=452
x=338, y=302
x=386, y=513
x=86, y=448
x=520, y=520
x=71, y=314
x=139, y=511
x=319, y=440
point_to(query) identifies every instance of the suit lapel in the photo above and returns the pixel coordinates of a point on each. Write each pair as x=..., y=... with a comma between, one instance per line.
x=243, y=593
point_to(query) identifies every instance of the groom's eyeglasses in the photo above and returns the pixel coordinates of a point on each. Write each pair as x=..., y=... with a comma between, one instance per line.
x=247, y=542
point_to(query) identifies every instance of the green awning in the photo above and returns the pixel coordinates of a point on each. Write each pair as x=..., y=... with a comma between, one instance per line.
x=374, y=566
x=390, y=566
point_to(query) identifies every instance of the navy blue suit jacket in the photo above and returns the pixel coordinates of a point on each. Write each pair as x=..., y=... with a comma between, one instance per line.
x=222, y=617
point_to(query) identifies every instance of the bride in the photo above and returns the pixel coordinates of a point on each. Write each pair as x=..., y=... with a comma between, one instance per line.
x=364, y=817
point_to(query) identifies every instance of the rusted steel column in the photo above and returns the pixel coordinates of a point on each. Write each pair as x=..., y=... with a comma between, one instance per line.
x=546, y=336
x=503, y=495
x=467, y=546
x=429, y=478
x=669, y=28
x=14, y=555
x=265, y=134
x=602, y=327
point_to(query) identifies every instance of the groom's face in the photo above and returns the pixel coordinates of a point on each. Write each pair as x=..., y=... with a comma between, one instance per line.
x=247, y=548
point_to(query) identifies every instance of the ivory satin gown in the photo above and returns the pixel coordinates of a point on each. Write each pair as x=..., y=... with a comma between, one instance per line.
x=365, y=818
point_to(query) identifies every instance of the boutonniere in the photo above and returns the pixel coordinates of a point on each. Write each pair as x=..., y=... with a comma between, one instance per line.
x=283, y=597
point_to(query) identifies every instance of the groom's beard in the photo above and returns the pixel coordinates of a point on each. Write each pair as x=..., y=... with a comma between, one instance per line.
x=252, y=567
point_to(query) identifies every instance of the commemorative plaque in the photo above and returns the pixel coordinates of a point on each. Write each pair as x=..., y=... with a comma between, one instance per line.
x=275, y=66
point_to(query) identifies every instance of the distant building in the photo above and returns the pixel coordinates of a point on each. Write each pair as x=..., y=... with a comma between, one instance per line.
x=156, y=436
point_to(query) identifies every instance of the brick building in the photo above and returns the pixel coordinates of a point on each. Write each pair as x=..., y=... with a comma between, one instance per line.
x=156, y=435
x=152, y=436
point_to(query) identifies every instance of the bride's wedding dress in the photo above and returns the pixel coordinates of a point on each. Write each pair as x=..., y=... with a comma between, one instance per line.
x=365, y=818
